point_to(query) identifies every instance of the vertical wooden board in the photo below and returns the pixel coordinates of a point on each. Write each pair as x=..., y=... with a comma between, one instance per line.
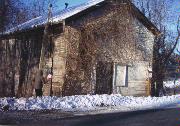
x=120, y=75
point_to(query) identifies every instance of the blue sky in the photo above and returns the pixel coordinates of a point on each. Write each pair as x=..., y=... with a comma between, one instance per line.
x=61, y=5
x=173, y=14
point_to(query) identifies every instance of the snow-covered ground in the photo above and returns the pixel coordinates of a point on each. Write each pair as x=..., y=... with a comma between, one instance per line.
x=171, y=84
x=90, y=102
x=94, y=102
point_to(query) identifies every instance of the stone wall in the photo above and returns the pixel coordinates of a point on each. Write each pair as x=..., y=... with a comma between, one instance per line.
x=139, y=71
x=106, y=36
x=64, y=62
x=117, y=37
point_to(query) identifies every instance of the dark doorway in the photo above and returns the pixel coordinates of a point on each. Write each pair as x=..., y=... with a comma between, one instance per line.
x=104, y=73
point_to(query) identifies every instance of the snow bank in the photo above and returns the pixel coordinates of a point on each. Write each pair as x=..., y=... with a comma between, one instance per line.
x=171, y=84
x=88, y=102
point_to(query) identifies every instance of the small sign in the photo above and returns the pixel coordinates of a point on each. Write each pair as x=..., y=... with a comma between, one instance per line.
x=49, y=76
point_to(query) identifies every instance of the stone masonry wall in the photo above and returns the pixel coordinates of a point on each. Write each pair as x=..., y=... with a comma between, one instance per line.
x=64, y=60
x=120, y=38
x=139, y=72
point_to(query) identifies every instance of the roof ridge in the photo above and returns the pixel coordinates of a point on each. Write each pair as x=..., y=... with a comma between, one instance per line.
x=58, y=16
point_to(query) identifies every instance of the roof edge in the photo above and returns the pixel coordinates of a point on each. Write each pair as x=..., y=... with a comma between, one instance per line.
x=144, y=20
x=135, y=11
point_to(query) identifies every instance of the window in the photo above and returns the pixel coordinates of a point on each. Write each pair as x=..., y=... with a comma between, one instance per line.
x=120, y=76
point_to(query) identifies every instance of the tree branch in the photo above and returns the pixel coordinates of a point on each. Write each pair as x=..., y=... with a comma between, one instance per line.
x=175, y=44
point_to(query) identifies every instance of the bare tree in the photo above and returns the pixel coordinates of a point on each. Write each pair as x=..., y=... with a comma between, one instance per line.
x=12, y=12
x=40, y=7
x=164, y=45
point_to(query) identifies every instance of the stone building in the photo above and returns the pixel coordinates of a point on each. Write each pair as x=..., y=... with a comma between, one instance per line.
x=99, y=47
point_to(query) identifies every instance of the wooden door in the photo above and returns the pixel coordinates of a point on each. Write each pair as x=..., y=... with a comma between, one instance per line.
x=104, y=73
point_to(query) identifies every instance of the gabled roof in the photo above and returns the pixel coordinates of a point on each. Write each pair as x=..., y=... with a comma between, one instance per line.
x=57, y=16
x=61, y=15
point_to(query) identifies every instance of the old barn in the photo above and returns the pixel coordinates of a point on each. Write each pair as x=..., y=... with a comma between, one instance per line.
x=99, y=47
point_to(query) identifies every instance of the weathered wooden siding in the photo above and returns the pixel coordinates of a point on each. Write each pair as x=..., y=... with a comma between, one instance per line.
x=19, y=62
x=7, y=67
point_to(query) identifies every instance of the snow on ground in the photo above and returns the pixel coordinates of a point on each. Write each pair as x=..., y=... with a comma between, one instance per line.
x=89, y=102
x=171, y=84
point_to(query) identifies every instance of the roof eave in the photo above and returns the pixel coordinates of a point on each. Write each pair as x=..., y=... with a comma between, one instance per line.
x=144, y=20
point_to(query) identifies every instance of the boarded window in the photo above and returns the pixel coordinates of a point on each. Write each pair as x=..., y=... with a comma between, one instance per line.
x=120, y=76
